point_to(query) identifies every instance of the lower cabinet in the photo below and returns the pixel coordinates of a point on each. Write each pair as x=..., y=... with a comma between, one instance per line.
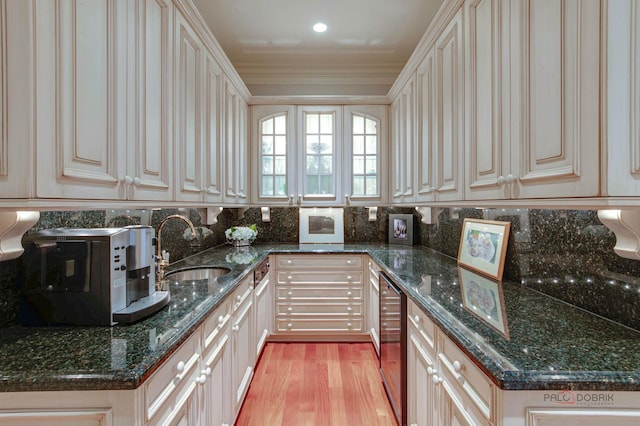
x=320, y=296
x=264, y=312
x=373, y=311
x=242, y=343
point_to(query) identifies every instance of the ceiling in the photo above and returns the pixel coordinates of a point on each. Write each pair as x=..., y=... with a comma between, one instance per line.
x=273, y=48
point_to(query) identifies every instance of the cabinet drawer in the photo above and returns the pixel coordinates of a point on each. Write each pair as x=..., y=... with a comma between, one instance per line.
x=314, y=277
x=319, y=325
x=175, y=371
x=320, y=309
x=425, y=327
x=241, y=294
x=319, y=262
x=216, y=323
x=467, y=378
x=319, y=293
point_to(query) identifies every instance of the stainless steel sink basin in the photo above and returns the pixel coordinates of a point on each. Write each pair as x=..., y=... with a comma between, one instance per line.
x=195, y=274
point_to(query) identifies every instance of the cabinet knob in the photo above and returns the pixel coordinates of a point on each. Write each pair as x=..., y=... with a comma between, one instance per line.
x=137, y=181
x=202, y=379
x=180, y=367
x=289, y=293
x=349, y=262
x=289, y=309
x=437, y=380
x=457, y=366
x=349, y=277
x=431, y=371
x=349, y=308
x=289, y=325
x=509, y=179
x=289, y=277
x=128, y=180
x=236, y=328
x=220, y=320
x=349, y=325
x=207, y=371
x=500, y=180
x=349, y=293
x=384, y=308
x=289, y=262
x=416, y=319
x=238, y=297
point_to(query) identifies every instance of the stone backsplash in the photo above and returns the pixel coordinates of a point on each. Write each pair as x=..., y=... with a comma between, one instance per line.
x=567, y=254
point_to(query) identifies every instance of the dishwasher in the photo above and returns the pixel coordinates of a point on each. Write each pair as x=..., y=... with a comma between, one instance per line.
x=393, y=345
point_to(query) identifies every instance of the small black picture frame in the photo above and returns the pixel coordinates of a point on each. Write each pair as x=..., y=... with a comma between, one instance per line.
x=401, y=229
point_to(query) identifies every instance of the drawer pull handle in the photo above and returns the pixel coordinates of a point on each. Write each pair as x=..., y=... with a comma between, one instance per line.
x=457, y=366
x=207, y=371
x=202, y=379
x=437, y=380
x=180, y=367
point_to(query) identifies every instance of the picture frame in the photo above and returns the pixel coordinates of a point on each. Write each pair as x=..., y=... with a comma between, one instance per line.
x=401, y=229
x=322, y=225
x=483, y=298
x=483, y=246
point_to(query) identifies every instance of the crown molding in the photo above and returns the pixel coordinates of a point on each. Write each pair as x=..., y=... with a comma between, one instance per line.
x=319, y=100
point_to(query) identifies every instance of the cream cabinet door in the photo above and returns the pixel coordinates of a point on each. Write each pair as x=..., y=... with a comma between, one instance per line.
x=264, y=295
x=487, y=159
x=422, y=407
x=555, y=93
x=404, y=132
x=235, y=146
x=621, y=98
x=449, y=142
x=81, y=110
x=212, y=129
x=188, y=111
x=242, y=343
x=149, y=161
x=425, y=143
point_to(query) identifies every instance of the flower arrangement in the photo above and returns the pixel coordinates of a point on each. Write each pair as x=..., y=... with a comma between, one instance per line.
x=241, y=235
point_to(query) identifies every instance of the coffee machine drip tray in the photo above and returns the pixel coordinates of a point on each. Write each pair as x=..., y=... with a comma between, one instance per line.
x=142, y=308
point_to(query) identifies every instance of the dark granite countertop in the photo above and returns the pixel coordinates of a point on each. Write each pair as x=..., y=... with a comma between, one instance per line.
x=537, y=342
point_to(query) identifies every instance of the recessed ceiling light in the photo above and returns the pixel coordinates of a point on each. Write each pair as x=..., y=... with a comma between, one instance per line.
x=319, y=27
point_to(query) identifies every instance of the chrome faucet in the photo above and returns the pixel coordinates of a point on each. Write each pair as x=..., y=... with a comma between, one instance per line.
x=161, y=263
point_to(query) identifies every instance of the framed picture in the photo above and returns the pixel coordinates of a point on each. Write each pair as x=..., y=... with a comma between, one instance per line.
x=321, y=225
x=401, y=229
x=483, y=245
x=484, y=299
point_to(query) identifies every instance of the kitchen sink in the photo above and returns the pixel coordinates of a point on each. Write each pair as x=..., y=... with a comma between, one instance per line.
x=196, y=274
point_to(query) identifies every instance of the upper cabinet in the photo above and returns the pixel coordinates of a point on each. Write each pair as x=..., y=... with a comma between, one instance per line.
x=235, y=146
x=403, y=140
x=339, y=159
x=621, y=95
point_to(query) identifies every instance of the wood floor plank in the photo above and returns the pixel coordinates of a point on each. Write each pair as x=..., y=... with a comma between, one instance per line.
x=317, y=384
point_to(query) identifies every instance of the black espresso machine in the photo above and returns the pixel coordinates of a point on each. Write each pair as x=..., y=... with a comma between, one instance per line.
x=100, y=276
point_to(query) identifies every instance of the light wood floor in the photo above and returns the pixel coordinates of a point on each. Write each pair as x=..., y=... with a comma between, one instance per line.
x=317, y=384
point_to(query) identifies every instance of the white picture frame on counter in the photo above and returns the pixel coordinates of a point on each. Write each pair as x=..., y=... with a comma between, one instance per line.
x=323, y=225
x=483, y=246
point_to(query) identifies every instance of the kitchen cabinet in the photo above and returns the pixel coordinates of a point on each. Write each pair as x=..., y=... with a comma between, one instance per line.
x=319, y=297
x=426, y=142
x=403, y=141
x=242, y=342
x=621, y=97
x=265, y=303
x=549, y=77
x=373, y=304
x=449, y=111
x=216, y=400
x=235, y=145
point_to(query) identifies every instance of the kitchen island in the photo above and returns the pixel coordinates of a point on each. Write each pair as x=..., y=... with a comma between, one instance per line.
x=541, y=344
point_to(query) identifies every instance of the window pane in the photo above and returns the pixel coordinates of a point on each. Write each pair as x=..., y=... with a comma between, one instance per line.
x=326, y=123
x=358, y=145
x=281, y=125
x=267, y=126
x=372, y=144
x=267, y=165
x=267, y=185
x=313, y=147
x=281, y=185
x=326, y=184
x=372, y=127
x=326, y=144
x=358, y=185
x=280, y=166
x=326, y=164
x=371, y=165
x=267, y=144
x=312, y=123
x=312, y=185
x=358, y=165
x=372, y=185
x=312, y=165
x=358, y=124
x=281, y=145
